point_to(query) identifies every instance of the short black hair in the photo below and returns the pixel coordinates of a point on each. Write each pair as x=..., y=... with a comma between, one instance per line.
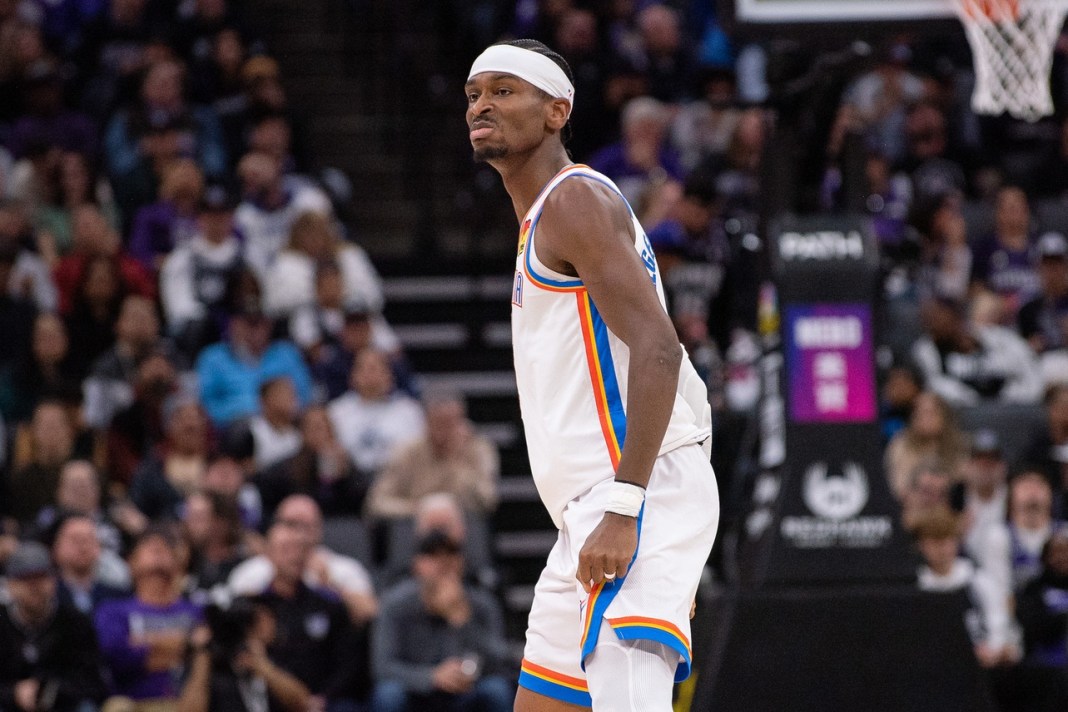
x=543, y=49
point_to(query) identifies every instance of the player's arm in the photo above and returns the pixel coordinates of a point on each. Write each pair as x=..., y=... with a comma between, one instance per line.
x=586, y=230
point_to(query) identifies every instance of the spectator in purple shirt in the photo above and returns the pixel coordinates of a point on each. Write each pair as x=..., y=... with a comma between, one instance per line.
x=170, y=221
x=143, y=638
x=1006, y=262
x=642, y=157
x=45, y=120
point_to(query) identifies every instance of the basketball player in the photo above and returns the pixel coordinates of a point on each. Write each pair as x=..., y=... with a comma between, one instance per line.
x=617, y=420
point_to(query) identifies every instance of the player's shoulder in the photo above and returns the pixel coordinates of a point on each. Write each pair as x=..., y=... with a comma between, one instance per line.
x=583, y=201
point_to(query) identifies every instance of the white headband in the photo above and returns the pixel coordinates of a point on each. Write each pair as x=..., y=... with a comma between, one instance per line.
x=529, y=66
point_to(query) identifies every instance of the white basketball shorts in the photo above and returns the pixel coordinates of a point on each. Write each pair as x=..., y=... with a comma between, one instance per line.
x=676, y=529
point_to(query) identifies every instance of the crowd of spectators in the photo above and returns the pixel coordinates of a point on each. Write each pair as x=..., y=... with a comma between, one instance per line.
x=221, y=485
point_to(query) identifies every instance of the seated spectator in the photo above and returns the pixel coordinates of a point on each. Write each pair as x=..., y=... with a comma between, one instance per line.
x=331, y=335
x=195, y=278
x=49, y=658
x=156, y=129
x=439, y=643
x=73, y=183
x=320, y=469
x=944, y=264
x=1005, y=262
x=176, y=469
x=967, y=363
x=1049, y=449
x=229, y=473
x=736, y=174
x=704, y=127
x=440, y=511
x=30, y=278
x=137, y=429
x=931, y=432
x=1030, y=524
x=313, y=240
x=79, y=494
x=46, y=444
x=230, y=668
x=986, y=496
x=16, y=317
x=993, y=632
x=696, y=283
x=664, y=54
x=271, y=205
x=92, y=239
x=316, y=642
x=1043, y=321
x=272, y=132
x=373, y=419
x=109, y=387
x=928, y=163
x=642, y=157
x=212, y=526
x=215, y=78
x=927, y=489
x=94, y=313
x=901, y=389
x=1042, y=607
x=451, y=458
x=172, y=220
x=231, y=372
x=113, y=53
x=77, y=553
x=143, y=637
x=46, y=374
x=45, y=121
x=274, y=429
x=344, y=576
x=881, y=98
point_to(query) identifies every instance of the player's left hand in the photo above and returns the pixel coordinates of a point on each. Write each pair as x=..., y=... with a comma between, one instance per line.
x=608, y=550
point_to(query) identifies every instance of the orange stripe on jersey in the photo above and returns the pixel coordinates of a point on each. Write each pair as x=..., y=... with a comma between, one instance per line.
x=552, y=676
x=597, y=378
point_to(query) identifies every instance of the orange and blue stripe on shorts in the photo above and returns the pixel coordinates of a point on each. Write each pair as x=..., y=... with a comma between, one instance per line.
x=554, y=684
x=641, y=628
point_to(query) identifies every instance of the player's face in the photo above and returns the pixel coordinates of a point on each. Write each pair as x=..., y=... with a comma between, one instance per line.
x=505, y=115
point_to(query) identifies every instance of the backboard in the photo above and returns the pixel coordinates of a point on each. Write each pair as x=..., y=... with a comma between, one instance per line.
x=809, y=11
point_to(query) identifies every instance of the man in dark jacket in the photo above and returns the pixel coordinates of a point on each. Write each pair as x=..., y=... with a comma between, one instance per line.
x=49, y=659
x=315, y=641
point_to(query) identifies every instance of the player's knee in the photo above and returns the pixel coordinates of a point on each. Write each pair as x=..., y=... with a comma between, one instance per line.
x=631, y=674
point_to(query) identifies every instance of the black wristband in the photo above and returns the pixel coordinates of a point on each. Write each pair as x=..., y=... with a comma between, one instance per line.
x=628, y=482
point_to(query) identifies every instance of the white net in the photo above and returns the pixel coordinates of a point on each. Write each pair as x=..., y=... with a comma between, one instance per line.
x=1012, y=45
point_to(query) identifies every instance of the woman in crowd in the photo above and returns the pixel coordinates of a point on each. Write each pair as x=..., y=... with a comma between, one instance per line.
x=931, y=431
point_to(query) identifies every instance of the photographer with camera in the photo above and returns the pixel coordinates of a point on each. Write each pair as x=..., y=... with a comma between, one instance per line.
x=49, y=659
x=229, y=670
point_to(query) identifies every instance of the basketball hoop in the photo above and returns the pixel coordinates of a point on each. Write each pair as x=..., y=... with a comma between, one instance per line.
x=1012, y=45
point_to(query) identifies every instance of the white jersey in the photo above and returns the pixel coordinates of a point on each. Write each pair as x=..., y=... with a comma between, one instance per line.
x=572, y=370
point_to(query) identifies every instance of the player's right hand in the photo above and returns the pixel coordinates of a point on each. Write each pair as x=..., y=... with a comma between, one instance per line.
x=608, y=550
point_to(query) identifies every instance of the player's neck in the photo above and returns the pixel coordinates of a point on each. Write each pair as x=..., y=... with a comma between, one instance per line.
x=525, y=177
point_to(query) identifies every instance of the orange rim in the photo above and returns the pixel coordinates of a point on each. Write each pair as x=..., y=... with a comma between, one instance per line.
x=995, y=10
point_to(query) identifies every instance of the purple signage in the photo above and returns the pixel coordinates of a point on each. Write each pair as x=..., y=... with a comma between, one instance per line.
x=830, y=363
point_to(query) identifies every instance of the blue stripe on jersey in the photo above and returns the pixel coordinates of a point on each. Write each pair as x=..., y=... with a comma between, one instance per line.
x=608, y=374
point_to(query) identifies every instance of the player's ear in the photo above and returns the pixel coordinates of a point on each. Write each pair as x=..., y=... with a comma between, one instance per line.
x=558, y=112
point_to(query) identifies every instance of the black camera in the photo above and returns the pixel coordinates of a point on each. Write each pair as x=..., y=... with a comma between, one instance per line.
x=230, y=629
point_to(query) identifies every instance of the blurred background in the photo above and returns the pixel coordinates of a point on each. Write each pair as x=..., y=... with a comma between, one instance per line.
x=259, y=417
